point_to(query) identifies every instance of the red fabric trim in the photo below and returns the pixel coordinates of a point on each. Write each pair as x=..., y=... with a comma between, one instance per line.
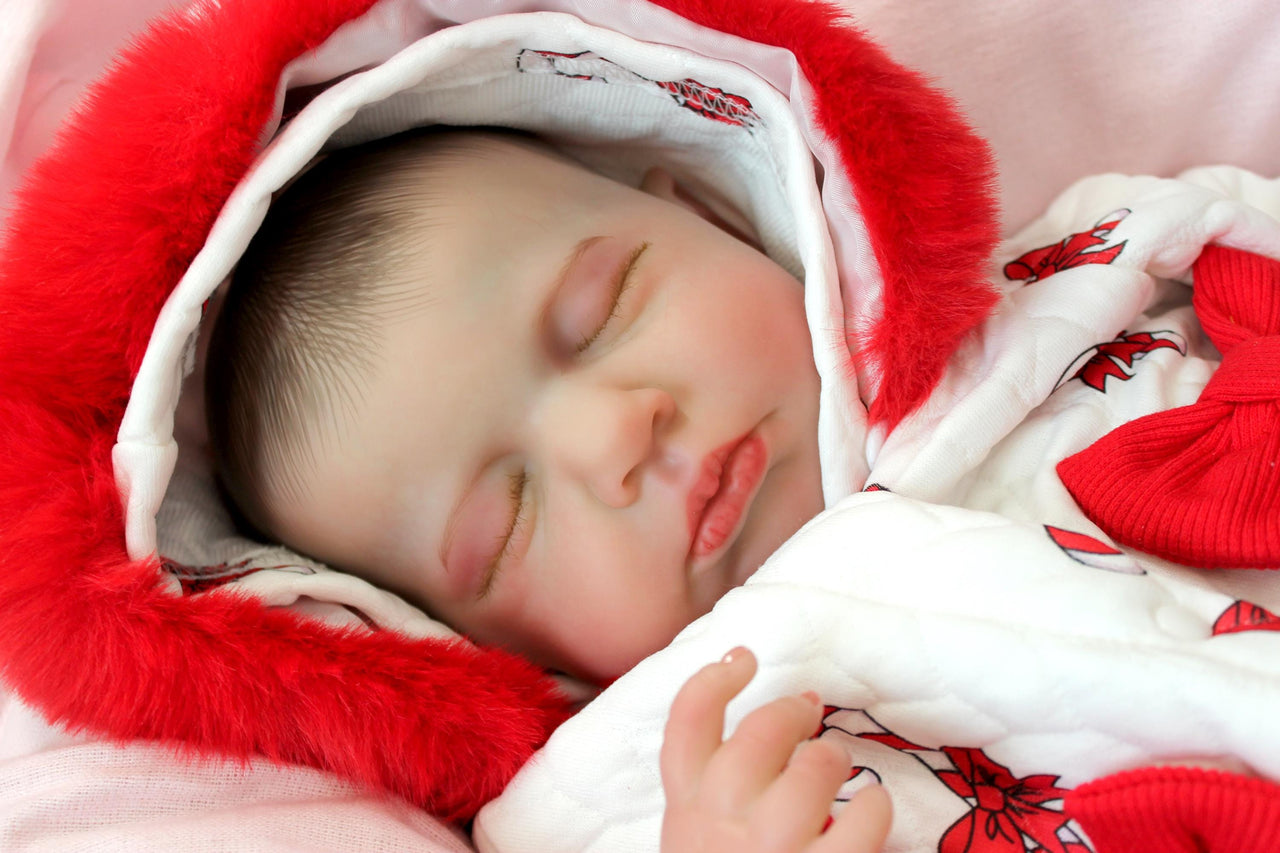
x=923, y=181
x=1178, y=810
x=1200, y=485
x=104, y=227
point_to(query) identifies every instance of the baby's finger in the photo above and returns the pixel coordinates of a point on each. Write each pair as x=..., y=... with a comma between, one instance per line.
x=695, y=727
x=794, y=808
x=862, y=827
x=758, y=750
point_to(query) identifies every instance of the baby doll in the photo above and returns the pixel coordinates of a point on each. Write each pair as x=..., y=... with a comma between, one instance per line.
x=562, y=414
x=538, y=403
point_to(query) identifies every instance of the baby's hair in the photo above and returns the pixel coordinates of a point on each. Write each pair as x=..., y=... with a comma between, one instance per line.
x=298, y=330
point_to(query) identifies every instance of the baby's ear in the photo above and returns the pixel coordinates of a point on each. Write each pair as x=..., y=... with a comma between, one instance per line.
x=662, y=184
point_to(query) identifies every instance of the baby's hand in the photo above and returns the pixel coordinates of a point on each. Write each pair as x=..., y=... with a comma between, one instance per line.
x=756, y=791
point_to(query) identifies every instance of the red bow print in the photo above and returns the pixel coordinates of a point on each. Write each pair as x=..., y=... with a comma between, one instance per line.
x=1084, y=247
x=1201, y=484
x=1115, y=359
x=1006, y=810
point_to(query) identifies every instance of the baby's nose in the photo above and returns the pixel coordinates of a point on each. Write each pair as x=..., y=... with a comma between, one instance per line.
x=605, y=437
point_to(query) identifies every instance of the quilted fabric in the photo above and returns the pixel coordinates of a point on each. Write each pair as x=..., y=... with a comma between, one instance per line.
x=951, y=645
x=981, y=646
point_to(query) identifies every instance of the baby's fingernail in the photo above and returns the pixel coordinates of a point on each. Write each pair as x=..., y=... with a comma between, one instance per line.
x=812, y=697
x=737, y=653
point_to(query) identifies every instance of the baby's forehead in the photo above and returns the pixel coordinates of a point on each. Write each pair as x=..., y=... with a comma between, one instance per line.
x=478, y=152
x=513, y=165
x=491, y=202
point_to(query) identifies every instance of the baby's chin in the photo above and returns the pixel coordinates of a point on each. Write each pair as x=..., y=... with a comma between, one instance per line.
x=599, y=674
x=786, y=513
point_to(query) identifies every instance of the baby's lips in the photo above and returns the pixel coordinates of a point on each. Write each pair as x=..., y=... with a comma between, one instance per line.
x=742, y=470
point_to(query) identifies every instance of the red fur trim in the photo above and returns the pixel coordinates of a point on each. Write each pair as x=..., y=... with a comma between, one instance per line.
x=923, y=181
x=104, y=228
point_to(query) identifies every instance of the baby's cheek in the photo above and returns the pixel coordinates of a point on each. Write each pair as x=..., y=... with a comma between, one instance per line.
x=604, y=644
x=626, y=617
x=774, y=342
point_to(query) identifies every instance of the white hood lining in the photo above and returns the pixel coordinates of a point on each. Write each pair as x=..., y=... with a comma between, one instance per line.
x=755, y=152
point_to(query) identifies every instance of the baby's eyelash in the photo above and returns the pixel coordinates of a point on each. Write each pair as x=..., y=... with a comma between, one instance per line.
x=620, y=284
x=515, y=488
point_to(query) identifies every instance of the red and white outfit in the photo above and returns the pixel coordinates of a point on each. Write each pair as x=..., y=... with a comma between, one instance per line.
x=841, y=160
x=985, y=648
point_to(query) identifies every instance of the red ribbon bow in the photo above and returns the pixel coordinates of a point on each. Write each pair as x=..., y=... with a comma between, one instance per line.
x=1200, y=485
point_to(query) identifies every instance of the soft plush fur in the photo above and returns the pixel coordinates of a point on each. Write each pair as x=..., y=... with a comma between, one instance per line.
x=103, y=229
x=923, y=182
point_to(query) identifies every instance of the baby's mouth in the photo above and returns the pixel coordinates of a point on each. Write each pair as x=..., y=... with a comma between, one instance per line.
x=728, y=481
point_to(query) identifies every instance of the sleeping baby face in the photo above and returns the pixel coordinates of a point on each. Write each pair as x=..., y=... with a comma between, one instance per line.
x=593, y=413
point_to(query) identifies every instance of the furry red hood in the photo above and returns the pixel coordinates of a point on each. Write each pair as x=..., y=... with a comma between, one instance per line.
x=123, y=209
